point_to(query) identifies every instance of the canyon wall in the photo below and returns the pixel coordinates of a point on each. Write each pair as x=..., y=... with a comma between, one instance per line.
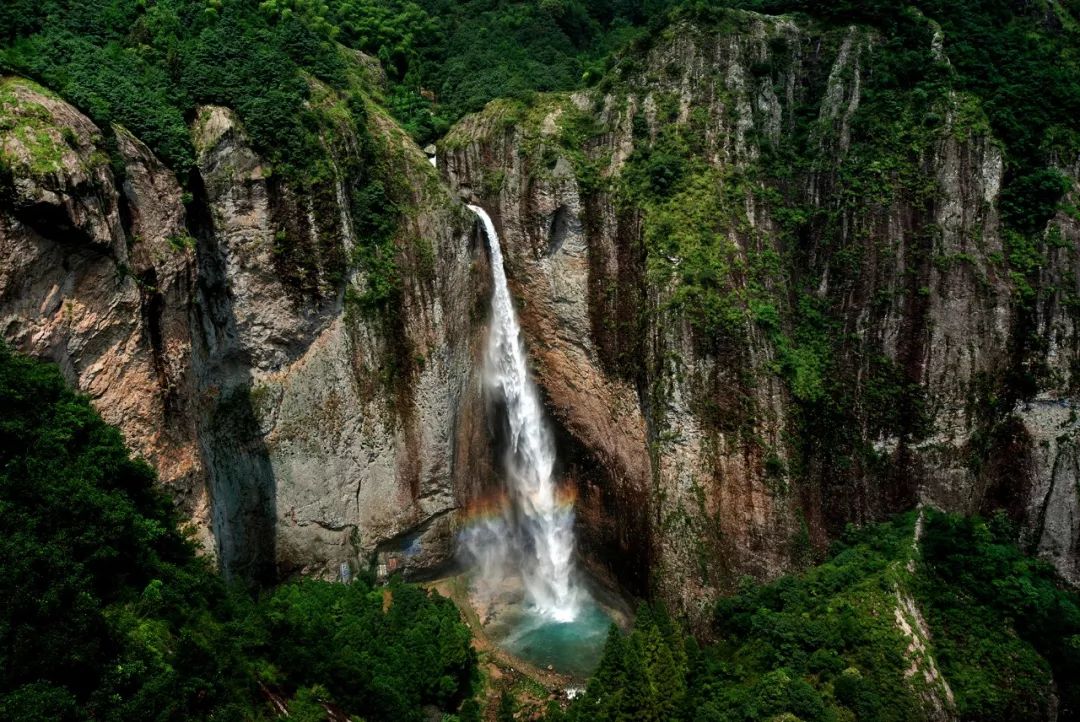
x=759, y=349
x=752, y=321
x=223, y=328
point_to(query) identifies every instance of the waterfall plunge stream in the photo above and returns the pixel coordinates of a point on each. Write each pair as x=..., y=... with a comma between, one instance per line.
x=519, y=548
x=534, y=536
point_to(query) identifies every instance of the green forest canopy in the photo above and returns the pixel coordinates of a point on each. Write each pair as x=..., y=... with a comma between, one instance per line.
x=109, y=614
x=824, y=646
x=147, y=64
x=108, y=602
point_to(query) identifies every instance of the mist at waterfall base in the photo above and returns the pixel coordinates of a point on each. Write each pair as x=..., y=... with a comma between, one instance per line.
x=502, y=593
x=519, y=546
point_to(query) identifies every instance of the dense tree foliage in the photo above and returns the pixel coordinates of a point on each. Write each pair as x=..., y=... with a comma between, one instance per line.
x=826, y=645
x=105, y=607
x=1002, y=620
x=1022, y=60
x=445, y=58
x=147, y=64
x=385, y=653
x=109, y=614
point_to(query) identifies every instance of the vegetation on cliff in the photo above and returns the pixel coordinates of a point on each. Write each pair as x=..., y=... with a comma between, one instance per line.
x=1020, y=60
x=307, y=105
x=147, y=65
x=1003, y=68
x=109, y=614
x=938, y=67
x=791, y=228
x=828, y=645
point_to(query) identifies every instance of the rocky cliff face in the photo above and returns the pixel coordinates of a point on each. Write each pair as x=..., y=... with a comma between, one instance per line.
x=97, y=276
x=753, y=320
x=219, y=328
x=753, y=352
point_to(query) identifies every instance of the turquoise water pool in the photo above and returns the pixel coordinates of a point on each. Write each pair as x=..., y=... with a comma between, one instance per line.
x=572, y=648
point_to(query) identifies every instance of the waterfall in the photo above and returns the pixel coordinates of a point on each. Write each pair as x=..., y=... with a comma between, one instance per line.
x=535, y=535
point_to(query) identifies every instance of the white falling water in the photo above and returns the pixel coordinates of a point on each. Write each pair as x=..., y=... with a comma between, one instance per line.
x=536, y=535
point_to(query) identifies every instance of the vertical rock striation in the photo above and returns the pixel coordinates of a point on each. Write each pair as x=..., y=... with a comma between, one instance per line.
x=683, y=293
x=750, y=322
x=218, y=328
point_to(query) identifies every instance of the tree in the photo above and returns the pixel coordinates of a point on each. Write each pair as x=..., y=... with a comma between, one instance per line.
x=507, y=707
